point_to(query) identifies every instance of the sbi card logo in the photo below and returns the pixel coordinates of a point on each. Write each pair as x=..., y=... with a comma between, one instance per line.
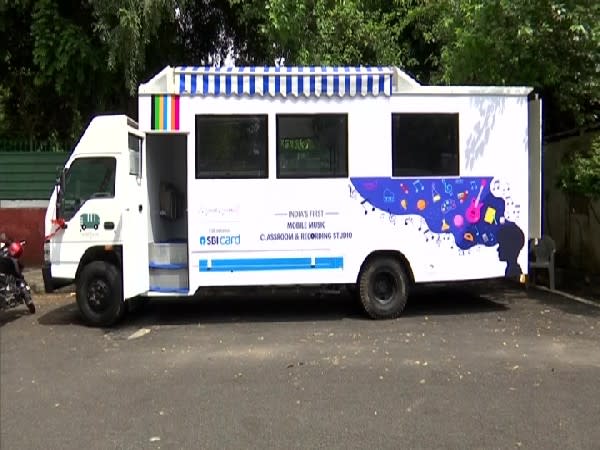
x=224, y=239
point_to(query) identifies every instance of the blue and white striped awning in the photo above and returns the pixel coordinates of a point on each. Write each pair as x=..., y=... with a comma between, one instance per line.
x=284, y=81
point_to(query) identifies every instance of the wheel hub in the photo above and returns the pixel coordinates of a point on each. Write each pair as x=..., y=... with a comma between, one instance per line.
x=384, y=287
x=98, y=295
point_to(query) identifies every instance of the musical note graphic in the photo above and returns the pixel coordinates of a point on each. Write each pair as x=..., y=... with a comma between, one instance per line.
x=392, y=218
x=352, y=191
x=448, y=205
x=364, y=207
x=418, y=185
x=447, y=187
x=435, y=195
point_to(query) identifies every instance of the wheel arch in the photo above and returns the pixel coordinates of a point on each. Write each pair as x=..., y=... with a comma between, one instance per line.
x=396, y=254
x=110, y=253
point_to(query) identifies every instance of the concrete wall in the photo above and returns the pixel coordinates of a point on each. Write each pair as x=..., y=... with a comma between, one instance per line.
x=573, y=223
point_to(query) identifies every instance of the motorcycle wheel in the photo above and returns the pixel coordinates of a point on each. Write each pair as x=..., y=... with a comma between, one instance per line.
x=26, y=297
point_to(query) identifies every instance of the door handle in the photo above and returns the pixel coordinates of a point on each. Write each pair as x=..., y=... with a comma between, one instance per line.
x=109, y=225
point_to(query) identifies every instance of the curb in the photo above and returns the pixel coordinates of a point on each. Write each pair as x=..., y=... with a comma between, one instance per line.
x=585, y=301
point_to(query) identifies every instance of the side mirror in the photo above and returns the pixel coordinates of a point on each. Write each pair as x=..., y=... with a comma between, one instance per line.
x=60, y=185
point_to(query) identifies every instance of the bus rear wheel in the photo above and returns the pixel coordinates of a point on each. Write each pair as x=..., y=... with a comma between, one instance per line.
x=100, y=294
x=383, y=287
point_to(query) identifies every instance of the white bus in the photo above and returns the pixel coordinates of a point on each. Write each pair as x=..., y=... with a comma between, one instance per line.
x=296, y=176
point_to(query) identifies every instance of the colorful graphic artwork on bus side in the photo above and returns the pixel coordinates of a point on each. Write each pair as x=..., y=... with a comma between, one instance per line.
x=464, y=207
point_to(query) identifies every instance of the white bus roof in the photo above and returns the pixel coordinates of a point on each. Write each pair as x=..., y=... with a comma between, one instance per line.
x=307, y=81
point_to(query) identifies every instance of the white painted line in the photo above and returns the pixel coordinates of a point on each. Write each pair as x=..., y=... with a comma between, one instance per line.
x=569, y=296
x=24, y=204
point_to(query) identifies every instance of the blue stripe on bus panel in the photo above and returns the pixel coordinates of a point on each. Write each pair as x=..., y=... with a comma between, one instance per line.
x=256, y=264
x=167, y=266
x=172, y=290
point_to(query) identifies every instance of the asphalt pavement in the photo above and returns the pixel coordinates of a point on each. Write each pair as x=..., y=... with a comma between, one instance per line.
x=487, y=367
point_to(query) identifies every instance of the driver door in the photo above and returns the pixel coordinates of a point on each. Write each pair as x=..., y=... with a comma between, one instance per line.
x=88, y=209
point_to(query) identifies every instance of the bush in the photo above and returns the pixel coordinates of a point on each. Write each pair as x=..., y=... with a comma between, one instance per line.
x=580, y=175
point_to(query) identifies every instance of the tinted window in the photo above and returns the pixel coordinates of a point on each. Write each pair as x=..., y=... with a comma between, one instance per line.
x=231, y=146
x=312, y=146
x=88, y=178
x=135, y=155
x=425, y=144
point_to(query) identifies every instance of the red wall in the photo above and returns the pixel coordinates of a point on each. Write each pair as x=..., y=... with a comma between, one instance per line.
x=28, y=224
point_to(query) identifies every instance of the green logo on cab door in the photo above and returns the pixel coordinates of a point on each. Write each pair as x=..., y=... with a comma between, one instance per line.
x=89, y=220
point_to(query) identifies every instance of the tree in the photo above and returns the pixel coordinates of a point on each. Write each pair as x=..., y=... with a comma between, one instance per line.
x=67, y=60
x=550, y=45
x=580, y=174
x=322, y=32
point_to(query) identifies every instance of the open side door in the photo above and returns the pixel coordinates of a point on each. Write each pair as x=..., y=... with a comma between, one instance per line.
x=134, y=220
x=535, y=166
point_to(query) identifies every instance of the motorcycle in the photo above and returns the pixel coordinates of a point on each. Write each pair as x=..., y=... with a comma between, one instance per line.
x=14, y=289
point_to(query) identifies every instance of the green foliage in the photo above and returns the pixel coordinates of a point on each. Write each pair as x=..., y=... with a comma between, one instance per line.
x=126, y=29
x=63, y=49
x=553, y=46
x=63, y=61
x=326, y=32
x=580, y=175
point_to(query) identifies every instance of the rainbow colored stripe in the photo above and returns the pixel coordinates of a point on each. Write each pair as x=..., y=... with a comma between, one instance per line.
x=165, y=112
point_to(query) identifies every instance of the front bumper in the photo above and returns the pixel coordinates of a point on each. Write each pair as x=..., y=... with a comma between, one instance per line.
x=50, y=283
x=47, y=276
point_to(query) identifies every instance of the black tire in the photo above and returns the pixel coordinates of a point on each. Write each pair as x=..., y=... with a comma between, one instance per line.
x=100, y=294
x=383, y=288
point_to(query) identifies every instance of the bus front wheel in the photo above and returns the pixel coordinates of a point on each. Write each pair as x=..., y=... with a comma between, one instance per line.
x=100, y=294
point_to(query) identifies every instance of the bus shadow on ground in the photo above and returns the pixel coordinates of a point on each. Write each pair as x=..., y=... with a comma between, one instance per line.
x=282, y=308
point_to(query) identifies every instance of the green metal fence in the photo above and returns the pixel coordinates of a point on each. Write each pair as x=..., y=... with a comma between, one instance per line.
x=8, y=144
x=29, y=175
